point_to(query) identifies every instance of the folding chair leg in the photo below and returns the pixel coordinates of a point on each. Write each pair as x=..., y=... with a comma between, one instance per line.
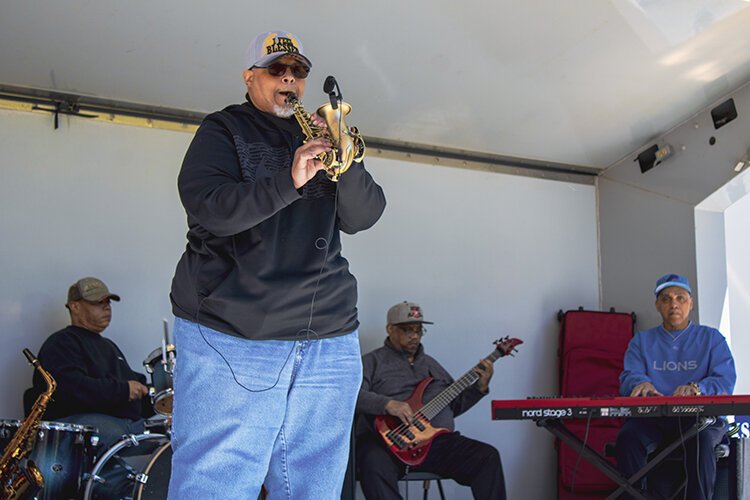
x=440, y=489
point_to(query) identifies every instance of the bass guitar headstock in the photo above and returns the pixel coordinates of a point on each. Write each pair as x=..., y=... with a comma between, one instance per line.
x=507, y=346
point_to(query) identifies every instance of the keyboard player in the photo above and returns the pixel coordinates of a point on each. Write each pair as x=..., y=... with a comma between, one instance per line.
x=678, y=358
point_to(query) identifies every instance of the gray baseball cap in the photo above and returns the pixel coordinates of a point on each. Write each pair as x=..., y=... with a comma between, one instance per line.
x=269, y=46
x=91, y=290
x=406, y=312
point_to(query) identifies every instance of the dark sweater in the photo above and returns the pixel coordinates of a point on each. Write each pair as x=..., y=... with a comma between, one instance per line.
x=387, y=374
x=91, y=374
x=256, y=245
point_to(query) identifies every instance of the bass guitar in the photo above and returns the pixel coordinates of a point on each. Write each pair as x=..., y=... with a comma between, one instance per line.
x=411, y=443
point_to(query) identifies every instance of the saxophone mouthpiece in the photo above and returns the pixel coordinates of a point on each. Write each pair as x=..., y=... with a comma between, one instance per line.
x=291, y=98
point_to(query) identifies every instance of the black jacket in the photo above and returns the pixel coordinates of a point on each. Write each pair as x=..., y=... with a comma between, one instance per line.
x=260, y=252
x=91, y=375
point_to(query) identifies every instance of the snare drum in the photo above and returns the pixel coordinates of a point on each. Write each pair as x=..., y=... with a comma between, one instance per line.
x=62, y=451
x=137, y=467
x=160, y=370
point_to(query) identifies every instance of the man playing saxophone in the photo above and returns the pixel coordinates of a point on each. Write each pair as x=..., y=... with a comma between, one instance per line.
x=266, y=318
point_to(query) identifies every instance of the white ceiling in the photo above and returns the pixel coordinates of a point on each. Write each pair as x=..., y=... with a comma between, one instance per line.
x=583, y=82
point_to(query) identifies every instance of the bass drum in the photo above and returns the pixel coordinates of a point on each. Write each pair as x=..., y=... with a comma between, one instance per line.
x=157, y=473
x=137, y=467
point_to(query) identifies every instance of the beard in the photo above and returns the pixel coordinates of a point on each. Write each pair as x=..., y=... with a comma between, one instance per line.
x=283, y=111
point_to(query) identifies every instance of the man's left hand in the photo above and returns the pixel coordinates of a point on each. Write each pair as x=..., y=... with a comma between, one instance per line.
x=485, y=371
x=318, y=121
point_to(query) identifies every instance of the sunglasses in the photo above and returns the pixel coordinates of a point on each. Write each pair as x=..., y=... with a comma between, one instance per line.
x=409, y=330
x=279, y=69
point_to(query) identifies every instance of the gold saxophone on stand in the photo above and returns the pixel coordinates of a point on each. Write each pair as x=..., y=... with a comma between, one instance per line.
x=16, y=479
x=347, y=143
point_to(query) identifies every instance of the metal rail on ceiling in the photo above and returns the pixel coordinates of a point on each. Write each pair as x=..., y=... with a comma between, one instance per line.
x=59, y=103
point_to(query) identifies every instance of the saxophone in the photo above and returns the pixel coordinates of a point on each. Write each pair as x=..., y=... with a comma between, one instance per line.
x=16, y=480
x=348, y=145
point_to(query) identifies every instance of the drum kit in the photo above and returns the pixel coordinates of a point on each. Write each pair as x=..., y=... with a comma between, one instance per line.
x=136, y=467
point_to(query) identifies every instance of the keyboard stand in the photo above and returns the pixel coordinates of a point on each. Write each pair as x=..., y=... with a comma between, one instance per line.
x=626, y=485
x=701, y=423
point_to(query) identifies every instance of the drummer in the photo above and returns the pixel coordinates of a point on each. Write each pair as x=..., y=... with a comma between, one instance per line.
x=95, y=384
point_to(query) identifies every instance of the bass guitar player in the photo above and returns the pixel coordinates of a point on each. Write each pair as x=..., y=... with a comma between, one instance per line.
x=392, y=421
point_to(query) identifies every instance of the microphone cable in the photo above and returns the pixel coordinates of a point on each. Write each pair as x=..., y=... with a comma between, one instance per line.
x=580, y=454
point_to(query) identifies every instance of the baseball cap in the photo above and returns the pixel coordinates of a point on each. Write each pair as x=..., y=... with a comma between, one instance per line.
x=406, y=312
x=269, y=46
x=91, y=290
x=672, y=280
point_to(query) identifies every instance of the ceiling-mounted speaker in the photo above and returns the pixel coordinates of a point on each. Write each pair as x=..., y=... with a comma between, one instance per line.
x=647, y=158
x=724, y=113
x=653, y=156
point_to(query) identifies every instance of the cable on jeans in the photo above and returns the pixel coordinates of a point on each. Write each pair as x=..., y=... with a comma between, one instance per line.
x=231, y=370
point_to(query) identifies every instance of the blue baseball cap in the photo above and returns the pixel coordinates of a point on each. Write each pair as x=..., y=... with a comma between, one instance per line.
x=672, y=280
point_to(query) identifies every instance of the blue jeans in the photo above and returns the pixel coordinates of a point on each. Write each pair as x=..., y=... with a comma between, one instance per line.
x=261, y=412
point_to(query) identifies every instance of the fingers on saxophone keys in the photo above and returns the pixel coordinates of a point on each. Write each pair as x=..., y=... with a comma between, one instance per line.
x=318, y=146
x=318, y=121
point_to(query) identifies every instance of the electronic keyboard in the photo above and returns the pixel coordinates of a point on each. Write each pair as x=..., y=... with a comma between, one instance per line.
x=616, y=407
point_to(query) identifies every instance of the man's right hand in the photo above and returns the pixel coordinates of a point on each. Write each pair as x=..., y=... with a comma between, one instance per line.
x=399, y=409
x=645, y=389
x=137, y=390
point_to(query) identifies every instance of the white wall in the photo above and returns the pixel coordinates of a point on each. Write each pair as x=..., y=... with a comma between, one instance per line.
x=723, y=244
x=486, y=255
x=87, y=199
x=738, y=280
x=711, y=264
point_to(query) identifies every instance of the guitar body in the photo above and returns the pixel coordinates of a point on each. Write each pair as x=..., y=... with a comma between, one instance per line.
x=410, y=444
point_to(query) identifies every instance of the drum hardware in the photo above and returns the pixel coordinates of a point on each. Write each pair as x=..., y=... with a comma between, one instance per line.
x=160, y=367
x=160, y=391
x=158, y=424
x=139, y=479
